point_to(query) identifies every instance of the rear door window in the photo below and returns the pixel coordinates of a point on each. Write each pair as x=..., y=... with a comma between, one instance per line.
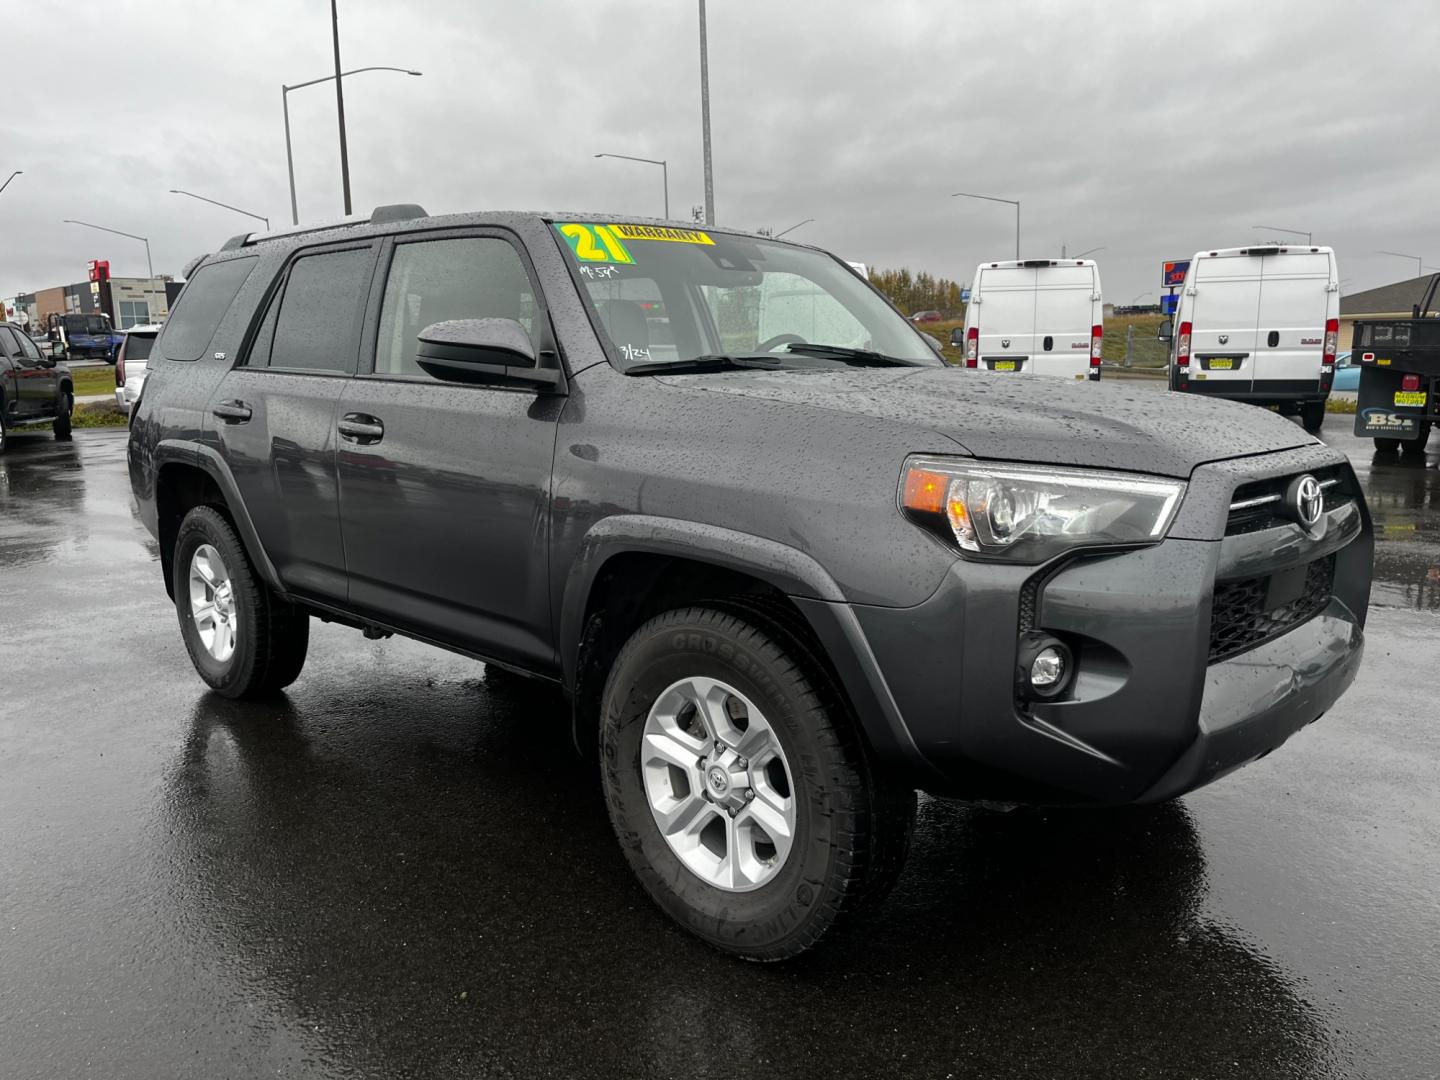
x=203, y=303
x=318, y=327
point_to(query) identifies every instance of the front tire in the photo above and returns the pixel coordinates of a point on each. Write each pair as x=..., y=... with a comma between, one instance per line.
x=243, y=640
x=61, y=427
x=739, y=788
x=1312, y=416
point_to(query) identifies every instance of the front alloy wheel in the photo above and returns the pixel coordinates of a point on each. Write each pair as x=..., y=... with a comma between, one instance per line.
x=718, y=784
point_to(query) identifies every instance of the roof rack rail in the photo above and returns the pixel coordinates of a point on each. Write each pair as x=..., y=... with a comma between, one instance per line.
x=381, y=215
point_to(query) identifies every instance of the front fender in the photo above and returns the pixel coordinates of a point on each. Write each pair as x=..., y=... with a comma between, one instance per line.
x=794, y=573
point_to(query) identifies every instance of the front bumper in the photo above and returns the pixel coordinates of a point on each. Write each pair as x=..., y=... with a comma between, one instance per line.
x=1149, y=715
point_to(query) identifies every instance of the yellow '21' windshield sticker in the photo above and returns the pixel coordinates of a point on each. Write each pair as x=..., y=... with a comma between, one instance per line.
x=594, y=243
x=606, y=243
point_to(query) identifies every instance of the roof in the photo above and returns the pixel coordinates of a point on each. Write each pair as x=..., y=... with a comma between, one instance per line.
x=384, y=219
x=1400, y=297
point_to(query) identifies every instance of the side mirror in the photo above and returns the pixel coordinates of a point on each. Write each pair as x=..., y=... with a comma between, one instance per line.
x=957, y=336
x=1166, y=331
x=934, y=343
x=495, y=352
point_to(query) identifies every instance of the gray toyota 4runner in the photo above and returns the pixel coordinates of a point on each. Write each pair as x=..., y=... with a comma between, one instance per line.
x=786, y=565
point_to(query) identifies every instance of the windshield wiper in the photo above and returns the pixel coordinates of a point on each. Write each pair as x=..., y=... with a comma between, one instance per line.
x=709, y=362
x=848, y=355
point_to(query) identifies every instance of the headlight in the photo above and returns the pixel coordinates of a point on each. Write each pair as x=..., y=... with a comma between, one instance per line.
x=1028, y=514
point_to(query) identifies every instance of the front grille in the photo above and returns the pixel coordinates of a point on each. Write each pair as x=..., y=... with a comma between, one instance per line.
x=1240, y=618
x=1261, y=503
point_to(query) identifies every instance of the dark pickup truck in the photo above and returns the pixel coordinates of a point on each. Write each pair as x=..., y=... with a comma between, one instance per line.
x=1399, y=360
x=34, y=389
x=786, y=565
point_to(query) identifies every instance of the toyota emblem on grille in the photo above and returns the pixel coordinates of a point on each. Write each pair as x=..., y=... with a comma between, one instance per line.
x=1305, y=500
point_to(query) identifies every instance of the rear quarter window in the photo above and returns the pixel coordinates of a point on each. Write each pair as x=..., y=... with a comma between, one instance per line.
x=204, y=302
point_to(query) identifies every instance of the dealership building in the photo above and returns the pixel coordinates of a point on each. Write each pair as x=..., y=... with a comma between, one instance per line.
x=128, y=301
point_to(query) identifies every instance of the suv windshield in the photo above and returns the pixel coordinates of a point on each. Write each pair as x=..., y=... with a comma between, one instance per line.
x=666, y=295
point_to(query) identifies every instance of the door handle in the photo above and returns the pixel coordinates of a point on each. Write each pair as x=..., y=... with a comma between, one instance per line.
x=232, y=412
x=361, y=428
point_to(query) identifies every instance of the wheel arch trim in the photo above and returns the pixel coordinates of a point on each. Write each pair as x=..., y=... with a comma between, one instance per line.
x=799, y=576
x=208, y=460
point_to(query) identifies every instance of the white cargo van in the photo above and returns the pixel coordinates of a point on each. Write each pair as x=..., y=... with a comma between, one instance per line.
x=1036, y=317
x=1260, y=325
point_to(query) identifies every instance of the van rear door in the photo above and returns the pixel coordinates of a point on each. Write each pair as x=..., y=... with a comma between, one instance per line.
x=1224, y=317
x=1294, y=301
x=1006, y=317
x=1064, y=308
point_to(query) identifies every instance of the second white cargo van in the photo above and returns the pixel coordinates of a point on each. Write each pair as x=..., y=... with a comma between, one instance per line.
x=1260, y=325
x=1036, y=317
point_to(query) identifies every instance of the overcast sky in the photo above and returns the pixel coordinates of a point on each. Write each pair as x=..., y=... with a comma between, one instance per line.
x=1153, y=129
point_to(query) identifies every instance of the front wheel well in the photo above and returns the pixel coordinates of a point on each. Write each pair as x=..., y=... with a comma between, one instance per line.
x=179, y=488
x=632, y=588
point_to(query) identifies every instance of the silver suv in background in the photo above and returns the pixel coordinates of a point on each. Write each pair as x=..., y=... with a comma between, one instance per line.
x=131, y=363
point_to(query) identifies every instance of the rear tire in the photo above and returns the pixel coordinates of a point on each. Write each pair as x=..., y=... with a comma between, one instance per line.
x=1386, y=446
x=1312, y=416
x=61, y=427
x=1417, y=444
x=672, y=712
x=243, y=640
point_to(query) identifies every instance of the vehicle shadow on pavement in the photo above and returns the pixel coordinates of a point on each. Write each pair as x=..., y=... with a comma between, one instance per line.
x=421, y=875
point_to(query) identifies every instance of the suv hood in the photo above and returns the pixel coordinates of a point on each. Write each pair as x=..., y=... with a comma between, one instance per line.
x=1039, y=419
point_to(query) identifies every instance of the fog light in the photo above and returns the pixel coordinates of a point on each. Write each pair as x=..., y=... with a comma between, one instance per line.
x=1045, y=667
x=1048, y=669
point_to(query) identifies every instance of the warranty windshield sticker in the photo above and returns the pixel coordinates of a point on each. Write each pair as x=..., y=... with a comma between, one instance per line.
x=594, y=243
x=659, y=232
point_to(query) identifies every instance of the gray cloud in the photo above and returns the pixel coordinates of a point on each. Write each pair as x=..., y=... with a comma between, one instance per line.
x=1151, y=129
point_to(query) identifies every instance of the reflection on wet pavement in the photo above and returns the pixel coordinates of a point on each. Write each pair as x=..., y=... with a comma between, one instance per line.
x=400, y=869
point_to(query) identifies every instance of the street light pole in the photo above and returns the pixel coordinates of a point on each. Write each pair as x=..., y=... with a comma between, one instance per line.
x=285, y=104
x=664, y=170
x=705, y=119
x=792, y=228
x=12, y=176
x=227, y=206
x=1089, y=251
x=340, y=107
x=991, y=198
x=289, y=156
x=1419, y=262
x=149, y=268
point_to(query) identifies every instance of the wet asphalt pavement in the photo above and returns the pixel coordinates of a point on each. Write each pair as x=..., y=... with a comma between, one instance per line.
x=400, y=869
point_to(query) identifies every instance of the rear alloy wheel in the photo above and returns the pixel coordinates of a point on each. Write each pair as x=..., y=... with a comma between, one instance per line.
x=1312, y=416
x=243, y=640
x=61, y=427
x=740, y=791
